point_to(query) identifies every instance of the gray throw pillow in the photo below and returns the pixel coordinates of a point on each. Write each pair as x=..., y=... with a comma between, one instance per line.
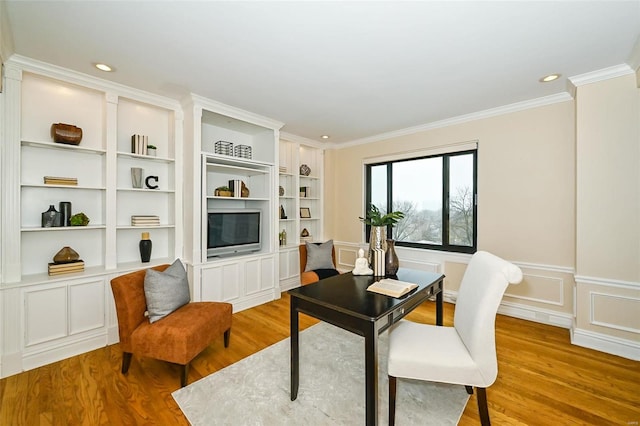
x=319, y=256
x=166, y=291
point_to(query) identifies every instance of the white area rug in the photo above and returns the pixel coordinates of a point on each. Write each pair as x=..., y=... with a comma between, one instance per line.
x=256, y=390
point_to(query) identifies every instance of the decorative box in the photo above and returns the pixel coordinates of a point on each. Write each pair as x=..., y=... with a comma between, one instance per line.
x=223, y=148
x=243, y=151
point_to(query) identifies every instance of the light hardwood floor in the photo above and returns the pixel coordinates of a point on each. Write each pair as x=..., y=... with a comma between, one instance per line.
x=542, y=378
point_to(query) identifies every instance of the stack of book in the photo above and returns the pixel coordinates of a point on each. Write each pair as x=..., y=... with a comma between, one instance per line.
x=283, y=169
x=139, y=144
x=66, y=268
x=307, y=238
x=142, y=220
x=55, y=180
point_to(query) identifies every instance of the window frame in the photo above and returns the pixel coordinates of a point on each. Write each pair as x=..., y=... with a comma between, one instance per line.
x=446, y=156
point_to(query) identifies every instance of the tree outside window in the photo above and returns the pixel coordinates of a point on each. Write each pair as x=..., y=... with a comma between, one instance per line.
x=437, y=195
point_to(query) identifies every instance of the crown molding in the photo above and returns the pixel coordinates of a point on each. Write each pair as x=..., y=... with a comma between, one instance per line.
x=95, y=83
x=601, y=75
x=234, y=112
x=506, y=109
x=290, y=137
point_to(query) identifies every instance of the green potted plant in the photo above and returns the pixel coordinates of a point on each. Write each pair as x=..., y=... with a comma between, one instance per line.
x=79, y=219
x=378, y=237
x=151, y=150
x=375, y=218
x=223, y=191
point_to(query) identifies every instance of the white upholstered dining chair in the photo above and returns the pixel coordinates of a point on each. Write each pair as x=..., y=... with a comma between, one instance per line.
x=464, y=354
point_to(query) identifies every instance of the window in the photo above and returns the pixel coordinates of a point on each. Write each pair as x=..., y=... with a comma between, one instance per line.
x=437, y=194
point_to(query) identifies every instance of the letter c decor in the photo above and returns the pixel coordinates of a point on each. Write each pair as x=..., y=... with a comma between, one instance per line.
x=154, y=179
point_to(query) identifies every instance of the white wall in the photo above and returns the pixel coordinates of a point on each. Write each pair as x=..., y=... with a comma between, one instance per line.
x=608, y=216
x=530, y=212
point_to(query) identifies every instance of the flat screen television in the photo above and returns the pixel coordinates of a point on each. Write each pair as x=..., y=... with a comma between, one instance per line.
x=232, y=231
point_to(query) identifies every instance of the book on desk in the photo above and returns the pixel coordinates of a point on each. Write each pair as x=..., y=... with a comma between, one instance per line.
x=391, y=287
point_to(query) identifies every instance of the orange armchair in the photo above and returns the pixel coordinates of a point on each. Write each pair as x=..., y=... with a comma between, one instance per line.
x=309, y=277
x=178, y=337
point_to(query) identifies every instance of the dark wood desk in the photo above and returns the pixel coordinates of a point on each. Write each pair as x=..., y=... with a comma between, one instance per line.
x=344, y=301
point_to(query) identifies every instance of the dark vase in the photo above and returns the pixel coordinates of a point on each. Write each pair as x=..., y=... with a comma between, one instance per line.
x=51, y=217
x=65, y=213
x=145, y=248
x=392, y=263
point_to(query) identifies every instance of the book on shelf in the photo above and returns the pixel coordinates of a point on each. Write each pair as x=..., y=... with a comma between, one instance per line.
x=236, y=187
x=56, y=180
x=65, y=268
x=307, y=238
x=391, y=287
x=139, y=144
x=145, y=220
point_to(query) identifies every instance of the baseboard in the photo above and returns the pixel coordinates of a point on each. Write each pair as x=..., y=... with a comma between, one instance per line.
x=530, y=313
x=289, y=283
x=11, y=364
x=251, y=301
x=604, y=343
x=50, y=355
x=113, y=335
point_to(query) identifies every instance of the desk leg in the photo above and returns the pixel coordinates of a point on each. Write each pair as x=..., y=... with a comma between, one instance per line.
x=371, y=372
x=295, y=355
x=439, y=308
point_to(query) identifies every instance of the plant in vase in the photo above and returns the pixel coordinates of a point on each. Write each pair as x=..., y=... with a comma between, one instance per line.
x=223, y=191
x=151, y=150
x=378, y=238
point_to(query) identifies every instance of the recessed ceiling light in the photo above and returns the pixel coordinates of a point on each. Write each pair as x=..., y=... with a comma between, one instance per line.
x=550, y=77
x=325, y=136
x=104, y=67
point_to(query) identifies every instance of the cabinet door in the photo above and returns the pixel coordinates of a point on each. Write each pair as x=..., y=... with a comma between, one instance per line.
x=45, y=312
x=258, y=275
x=63, y=310
x=222, y=283
x=289, y=264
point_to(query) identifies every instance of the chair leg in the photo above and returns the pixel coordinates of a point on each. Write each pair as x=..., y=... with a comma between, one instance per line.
x=392, y=400
x=184, y=375
x=126, y=361
x=483, y=409
x=469, y=389
x=227, y=334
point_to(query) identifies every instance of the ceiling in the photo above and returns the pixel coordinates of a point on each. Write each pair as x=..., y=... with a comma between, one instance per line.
x=351, y=70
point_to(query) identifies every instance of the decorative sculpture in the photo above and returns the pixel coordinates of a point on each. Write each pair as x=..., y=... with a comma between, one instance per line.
x=362, y=265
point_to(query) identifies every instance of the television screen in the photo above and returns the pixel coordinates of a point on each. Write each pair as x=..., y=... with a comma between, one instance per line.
x=233, y=231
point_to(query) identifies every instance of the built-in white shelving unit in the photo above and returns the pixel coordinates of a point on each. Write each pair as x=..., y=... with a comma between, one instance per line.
x=300, y=192
x=53, y=317
x=243, y=279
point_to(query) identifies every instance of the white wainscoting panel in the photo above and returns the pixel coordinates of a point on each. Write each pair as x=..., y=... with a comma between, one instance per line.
x=538, y=288
x=346, y=257
x=86, y=306
x=289, y=264
x=252, y=278
x=615, y=311
x=266, y=273
x=45, y=314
